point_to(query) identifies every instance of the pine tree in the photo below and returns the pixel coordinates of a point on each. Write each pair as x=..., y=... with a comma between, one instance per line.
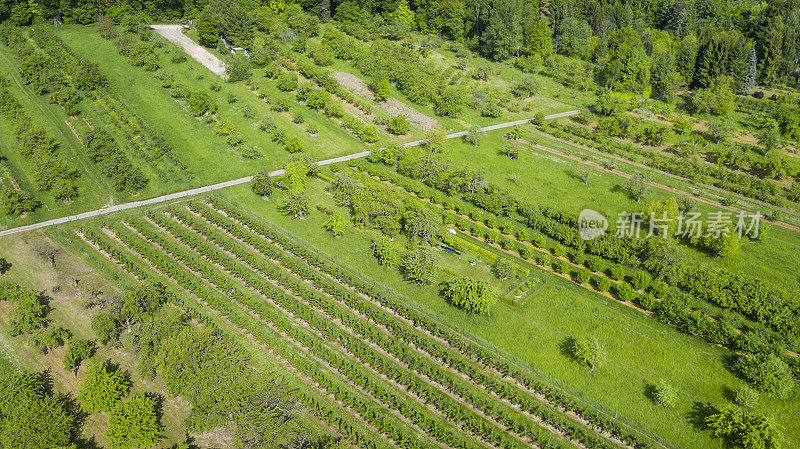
x=750, y=73
x=772, y=49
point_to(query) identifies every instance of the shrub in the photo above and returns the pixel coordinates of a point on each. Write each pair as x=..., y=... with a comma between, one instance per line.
x=745, y=396
x=287, y=81
x=559, y=251
x=262, y=184
x=602, y=283
x=647, y=301
x=578, y=258
x=624, y=292
x=382, y=251
x=560, y=266
x=582, y=276
x=640, y=280
x=471, y=295
x=767, y=372
x=504, y=269
x=616, y=272
x=596, y=264
x=665, y=394
x=398, y=125
x=200, y=103
x=368, y=134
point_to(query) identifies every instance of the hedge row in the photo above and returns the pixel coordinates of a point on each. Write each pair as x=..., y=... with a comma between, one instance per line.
x=742, y=183
x=229, y=307
x=48, y=170
x=729, y=290
x=781, y=311
x=398, y=328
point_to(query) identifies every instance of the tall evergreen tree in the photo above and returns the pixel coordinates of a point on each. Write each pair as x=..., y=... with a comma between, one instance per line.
x=772, y=51
x=750, y=74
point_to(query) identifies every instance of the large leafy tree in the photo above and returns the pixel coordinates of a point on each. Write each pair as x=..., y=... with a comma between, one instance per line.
x=420, y=263
x=103, y=386
x=472, y=295
x=206, y=28
x=626, y=68
x=588, y=350
x=748, y=430
x=31, y=417
x=133, y=423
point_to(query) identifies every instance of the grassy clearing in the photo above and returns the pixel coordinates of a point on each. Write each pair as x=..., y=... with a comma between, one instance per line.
x=640, y=351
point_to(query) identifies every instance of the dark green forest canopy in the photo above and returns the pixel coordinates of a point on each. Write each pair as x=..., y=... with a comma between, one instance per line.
x=637, y=46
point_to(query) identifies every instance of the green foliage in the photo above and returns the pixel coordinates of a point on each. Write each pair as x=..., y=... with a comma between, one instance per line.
x=200, y=103
x=748, y=430
x=78, y=350
x=588, y=350
x=296, y=174
x=717, y=98
x=30, y=313
x=17, y=202
x=745, y=397
x=611, y=103
x=382, y=250
x=582, y=276
x=103, y=386
x=472, y=295
x=295, y=205
x=105, y=327
x=540, y=39
x=665, y=394
x=32, y=417
x=767, y=372
x=449, y=102
x=368, y=134
x=287, y=81
x=505, y=269
x=335, y=224
x=527, y=86
x=640, y=280
x=596, y=264
x=626, y=68
x=262, y=184
x=398, y=125
x=602, y=283
x=134, y=422
x=206, y=28
x=382, y=90
x=419, y=265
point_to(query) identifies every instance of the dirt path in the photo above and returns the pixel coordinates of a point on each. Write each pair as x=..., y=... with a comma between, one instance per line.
x=174, y=34
x=393, y=106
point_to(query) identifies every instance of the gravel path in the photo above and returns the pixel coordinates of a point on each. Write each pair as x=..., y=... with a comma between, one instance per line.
x=222, y=185
x=174, y=34
x=392, y=106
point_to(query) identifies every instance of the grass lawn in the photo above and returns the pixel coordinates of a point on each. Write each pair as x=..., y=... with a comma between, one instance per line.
x=640, y=350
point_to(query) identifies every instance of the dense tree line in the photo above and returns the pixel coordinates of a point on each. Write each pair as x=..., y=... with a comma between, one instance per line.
x=637, y=47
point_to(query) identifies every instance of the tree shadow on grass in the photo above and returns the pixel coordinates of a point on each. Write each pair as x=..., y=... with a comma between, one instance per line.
x=698, y=414
x=566, y=348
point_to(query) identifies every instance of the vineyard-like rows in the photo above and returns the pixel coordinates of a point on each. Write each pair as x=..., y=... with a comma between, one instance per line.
x=391, y=369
